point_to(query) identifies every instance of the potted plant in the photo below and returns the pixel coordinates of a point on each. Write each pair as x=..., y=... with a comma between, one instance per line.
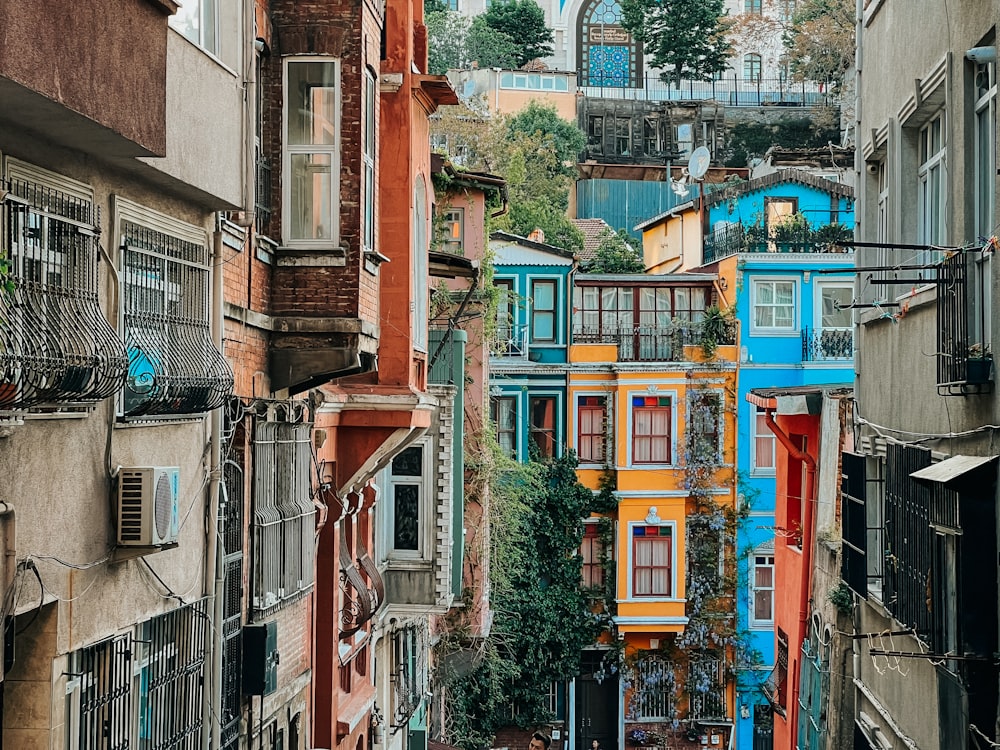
x=829, y=238
x=789, y=232
x=979, y=364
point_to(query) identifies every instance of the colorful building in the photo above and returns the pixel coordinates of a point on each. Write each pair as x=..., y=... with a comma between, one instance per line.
x=773, y=241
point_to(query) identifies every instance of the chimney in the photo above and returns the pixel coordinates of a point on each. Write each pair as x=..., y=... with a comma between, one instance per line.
x=537, y=235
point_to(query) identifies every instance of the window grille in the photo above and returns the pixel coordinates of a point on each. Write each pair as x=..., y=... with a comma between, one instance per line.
x=964, y=365
x=173, y=365
x=654, y=688
x=101, y=700
x=232, y=620
x=706, y=684
x=283, y=513
x=854, y=566
x=56, y=346
x=409, y=672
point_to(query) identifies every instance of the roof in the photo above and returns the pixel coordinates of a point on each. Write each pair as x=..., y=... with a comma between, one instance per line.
x=678, y=209
x=781, y=177
x=533, y=244
x=592, y=230
x=823, y=157
x=647, y=279
x=467, y=178
x=797, y=399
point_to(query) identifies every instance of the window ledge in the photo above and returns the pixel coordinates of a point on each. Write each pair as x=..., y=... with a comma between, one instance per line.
x=320, y=257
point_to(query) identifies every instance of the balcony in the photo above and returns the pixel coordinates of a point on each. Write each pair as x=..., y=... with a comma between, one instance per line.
x=655, y=343
x=732, y=91
x=964, y=364
x=510, y=342
x=56, y=347
x=828, y=344
x=737, y=238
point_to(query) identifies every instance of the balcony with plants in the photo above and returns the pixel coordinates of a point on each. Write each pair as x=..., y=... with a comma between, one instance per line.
x=793, y=235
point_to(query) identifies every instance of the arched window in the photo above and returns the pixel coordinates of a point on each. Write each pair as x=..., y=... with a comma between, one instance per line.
x=751, y=67
x=607, y=55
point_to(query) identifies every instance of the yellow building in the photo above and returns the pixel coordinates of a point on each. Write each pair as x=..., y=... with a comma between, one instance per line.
x=651, y=388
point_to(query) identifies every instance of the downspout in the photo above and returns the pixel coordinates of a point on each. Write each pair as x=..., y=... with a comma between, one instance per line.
x=807, y=542
x=213, y=558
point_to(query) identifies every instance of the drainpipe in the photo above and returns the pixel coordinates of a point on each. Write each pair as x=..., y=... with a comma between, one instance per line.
x=214, y=581
x=807, y=521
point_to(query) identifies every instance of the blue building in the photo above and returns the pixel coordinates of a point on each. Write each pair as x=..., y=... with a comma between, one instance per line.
x=774, y=242
x=528, y=359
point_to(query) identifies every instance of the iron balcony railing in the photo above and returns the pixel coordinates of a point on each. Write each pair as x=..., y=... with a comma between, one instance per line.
x=56, y=346
x=736, y=238
x=510, y=341
x=651, y=343
x=732, y=91
x=707, y=687
x=964, y=364
x=828, y=344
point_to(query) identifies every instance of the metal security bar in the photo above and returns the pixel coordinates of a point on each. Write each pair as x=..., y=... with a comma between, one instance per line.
x=232, y=642
x=283, y=513
x=654, y=685
x=56, y=346
x=707, y=687
x=831, y=343
x=171, y=679
x=963, y=366
x=173, y=365
x=101, y=683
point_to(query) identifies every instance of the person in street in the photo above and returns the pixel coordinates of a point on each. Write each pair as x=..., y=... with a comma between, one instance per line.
x=595, y=745
x=539, y=741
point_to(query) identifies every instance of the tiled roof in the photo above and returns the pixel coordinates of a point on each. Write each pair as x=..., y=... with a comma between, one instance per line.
x=592, y=229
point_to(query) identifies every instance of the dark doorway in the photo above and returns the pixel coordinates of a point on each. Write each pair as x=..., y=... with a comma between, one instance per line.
x=596, y=702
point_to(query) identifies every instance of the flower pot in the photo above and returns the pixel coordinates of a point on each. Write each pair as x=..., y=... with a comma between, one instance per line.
x=978, y=370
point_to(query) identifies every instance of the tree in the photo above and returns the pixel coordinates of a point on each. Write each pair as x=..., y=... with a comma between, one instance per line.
x=618, y=252
x=446, y=41
x=489, y=47
x=523, y=20
x=686, y=38
x=565, y=137
x=820, y=40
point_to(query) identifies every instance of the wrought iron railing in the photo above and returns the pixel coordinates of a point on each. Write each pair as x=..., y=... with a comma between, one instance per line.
x=361, y=586
x=232, y=631
x=510, y=341
x=263, y=191
x=56, y=346
x=707, y=687
x=832, y=343
x=732, y=91
x=655, y=686
x=736, y=238
x=964, y=366
x=652, y=343
x=173, y=365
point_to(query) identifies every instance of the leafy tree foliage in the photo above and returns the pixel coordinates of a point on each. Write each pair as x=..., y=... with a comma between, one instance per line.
x=564, y=136
x=490, y=47
x=748, y=140
x=523, y=20
x=820, y=40
x=619, y=252
x=454, y=42
x=687, y=38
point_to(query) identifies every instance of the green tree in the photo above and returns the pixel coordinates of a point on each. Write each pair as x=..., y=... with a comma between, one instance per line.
x=489, y=47
x=446, y=41
x=686, y=38
x=564, y=136
x=820, y=40
x=523, y=20
x=618, y=252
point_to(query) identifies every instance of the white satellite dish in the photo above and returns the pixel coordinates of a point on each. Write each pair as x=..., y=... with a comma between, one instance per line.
x=700, y=161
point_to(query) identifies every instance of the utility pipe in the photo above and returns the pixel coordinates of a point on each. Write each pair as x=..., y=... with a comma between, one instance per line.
x=808, y=494
x=215, y=581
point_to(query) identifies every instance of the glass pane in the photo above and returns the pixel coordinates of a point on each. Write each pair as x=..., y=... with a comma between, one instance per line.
x=406, y=521
x=312, y=89
x=762, y=605
x=311, y=194
x=765, y=293
x=784, y=293
x=764, y=577
x=409, y=463
x=834, y=298
x=544, y=295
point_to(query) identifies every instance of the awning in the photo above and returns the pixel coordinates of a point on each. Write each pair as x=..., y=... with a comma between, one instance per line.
x=959, y=472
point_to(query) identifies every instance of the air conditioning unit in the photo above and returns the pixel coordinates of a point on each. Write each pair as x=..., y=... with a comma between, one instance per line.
x=147, y=505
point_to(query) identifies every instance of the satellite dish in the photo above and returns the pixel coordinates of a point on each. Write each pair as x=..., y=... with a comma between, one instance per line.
x=700, y=161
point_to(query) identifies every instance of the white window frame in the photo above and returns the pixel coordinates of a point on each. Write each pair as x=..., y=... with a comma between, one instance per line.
x=424, y=509
x=630, y=575
x=204, y=32
x=985, y=110
x=369, y=143
x=674, y=401
x=755, y=470
x=932, y=217
x=793, y=329
x=818, y=326
x=331, y=150
x=768, y=557
x=557, y=312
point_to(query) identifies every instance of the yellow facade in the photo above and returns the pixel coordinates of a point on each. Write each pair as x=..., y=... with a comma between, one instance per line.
x=673, y=242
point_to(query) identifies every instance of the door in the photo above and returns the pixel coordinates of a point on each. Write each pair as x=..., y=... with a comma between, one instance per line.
x=596, y=703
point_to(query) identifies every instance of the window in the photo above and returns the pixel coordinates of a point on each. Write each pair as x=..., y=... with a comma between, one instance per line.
x=198, y=22
x=504, y=415
x=312, y=153
x=420, y=265
x=752, y=6
x=751, y=67
x=368, y=161
x=623, y=136
x=779, y=678
x=874, y=523
x=705, y=419
x=452, y=231
x=652, y=561
x=654, y=685
x=931, y=199
x=835, y=325
x=283, y=524
x=595, y=134
x=763, y=459
x=684, y=138
x=607, y=54
x=57, y=347
x=510, y=336
x=406, y=480
x=762, y=590
x=173, y=365
x=652, y=136
x=533, y=81
x=543, y=311
x=773, y=305
x=592, y=551
x=980, y=298
x=651, y=417
x=543, y=426
x=557, y=699
x=591, y=429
